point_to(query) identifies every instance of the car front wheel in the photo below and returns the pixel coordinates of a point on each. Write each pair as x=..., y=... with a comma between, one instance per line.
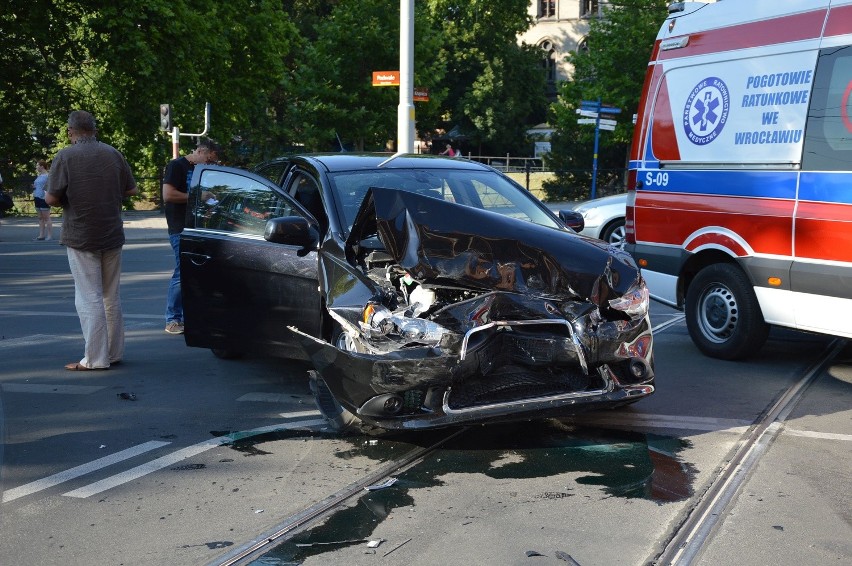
x=227, y=354
x=614, y=233
x=722, y=313
x=339, y=419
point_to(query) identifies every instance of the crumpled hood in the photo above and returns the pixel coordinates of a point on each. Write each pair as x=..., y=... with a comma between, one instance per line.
x=443, y=242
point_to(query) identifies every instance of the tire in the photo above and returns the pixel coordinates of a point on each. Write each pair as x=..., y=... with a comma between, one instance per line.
x=340, y=420
x=227, y=354
x=722, y=313
x=614, y=233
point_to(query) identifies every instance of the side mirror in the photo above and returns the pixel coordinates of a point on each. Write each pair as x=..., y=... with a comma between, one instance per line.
x=572, y=219
x=292, y=231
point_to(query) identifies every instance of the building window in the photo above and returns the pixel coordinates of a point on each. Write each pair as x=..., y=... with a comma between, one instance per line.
x=548, y=63
x=590, y=9
x=546, y=8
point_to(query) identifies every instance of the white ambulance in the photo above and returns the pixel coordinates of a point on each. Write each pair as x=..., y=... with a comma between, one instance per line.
x=740, y=182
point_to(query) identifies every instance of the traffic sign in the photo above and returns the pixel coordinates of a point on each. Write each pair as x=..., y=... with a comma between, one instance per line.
x=385, y=78
x=606, y=127
x=603, y=123
x=587, y=113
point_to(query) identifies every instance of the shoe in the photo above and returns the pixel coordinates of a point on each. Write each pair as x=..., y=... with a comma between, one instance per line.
x=174, y=327
x=77, y=366
x=38, y=239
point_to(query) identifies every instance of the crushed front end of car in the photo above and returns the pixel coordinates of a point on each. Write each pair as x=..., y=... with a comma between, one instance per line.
x=463, y=315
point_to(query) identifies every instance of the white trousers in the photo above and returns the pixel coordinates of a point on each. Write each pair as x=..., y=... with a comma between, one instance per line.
x=96, y=296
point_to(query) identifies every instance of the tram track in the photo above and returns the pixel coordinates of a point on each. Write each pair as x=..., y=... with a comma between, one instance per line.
x=707, y=514
x=684, y=544
x=291, y=525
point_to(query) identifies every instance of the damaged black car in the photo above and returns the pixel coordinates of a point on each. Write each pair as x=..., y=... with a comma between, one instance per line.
x=426, y=292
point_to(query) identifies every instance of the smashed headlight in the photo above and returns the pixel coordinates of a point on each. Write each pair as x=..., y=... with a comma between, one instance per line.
x=635, y=302
x=378, y=323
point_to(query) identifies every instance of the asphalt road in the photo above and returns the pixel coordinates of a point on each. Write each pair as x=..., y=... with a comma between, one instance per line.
x=177, y=457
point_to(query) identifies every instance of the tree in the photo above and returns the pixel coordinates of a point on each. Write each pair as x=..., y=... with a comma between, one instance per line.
x=495, y=86
x=332, y=82
x=121, y=60
x=611, y=69
x=38, y=48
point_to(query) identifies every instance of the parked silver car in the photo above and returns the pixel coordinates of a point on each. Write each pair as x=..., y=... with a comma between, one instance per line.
x=604, y=218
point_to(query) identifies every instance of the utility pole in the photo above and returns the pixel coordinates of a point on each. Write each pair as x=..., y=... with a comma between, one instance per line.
x=405, y=111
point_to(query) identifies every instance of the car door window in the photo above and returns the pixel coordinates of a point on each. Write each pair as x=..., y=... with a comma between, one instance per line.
x=239, y=204
x=305, y=190
x=273, y=170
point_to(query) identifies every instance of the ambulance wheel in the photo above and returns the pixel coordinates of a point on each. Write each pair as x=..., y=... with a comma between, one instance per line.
x=722, y=313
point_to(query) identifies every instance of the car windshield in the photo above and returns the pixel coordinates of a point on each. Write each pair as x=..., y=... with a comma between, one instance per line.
x=485, y=190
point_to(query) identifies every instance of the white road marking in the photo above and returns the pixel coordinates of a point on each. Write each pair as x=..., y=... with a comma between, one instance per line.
x=173, y=458
x=674, y=319
x=819, y=435
x=643, y=420
x=46, y=388
x=266, y=397
x=313, y=413
x=55, y=479
x=74, y=315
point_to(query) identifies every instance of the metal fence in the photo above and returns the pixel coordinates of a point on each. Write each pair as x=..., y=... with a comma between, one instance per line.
x=529, y=172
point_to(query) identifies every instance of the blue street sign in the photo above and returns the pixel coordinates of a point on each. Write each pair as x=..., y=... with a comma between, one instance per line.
x=592, y=109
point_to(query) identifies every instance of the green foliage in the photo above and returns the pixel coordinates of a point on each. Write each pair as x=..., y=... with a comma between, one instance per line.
x=612, y=69
x=494, y=86
x=332, y=88
x=280, y=75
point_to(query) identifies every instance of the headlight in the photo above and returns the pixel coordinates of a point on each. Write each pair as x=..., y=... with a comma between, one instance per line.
x=634, y=303
x=377, y=322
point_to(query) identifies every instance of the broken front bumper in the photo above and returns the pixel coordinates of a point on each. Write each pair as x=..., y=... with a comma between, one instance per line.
x=504, y=371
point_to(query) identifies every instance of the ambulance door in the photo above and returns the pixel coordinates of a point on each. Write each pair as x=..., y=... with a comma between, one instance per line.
x=821, y=279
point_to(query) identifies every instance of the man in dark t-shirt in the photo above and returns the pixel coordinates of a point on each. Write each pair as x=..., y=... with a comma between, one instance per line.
x=175, y=193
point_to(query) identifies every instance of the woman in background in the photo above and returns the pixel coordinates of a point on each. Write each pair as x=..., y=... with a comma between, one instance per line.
x=45, y=224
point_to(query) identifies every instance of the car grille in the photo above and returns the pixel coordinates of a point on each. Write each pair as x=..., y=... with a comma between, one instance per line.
x=516, y=383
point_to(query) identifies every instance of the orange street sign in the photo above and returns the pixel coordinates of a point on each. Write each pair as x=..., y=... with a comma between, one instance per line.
x=421, y=94
x=385, y=78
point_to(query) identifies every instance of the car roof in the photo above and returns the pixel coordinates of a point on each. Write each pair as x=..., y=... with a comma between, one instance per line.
x=345, y=161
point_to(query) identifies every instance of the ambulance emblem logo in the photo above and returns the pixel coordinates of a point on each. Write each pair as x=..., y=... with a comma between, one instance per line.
x=706, y=111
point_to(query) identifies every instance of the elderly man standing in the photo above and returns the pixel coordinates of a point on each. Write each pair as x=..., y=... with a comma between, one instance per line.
x=89, y=180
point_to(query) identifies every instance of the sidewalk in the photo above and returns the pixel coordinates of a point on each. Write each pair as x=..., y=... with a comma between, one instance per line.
x=138, y=225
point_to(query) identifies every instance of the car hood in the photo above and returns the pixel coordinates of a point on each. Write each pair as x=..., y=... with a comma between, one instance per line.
x=619, y=200
x=443, y=242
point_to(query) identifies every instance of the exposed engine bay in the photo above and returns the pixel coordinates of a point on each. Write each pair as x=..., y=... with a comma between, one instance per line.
x=462, y=325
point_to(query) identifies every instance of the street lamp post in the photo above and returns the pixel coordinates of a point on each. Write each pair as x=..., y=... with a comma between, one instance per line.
x=405, y=112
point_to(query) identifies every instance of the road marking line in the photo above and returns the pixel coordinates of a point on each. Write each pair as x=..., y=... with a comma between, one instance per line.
x=301, y=414
x=45, y=388
x=74, y=314
x=737, y=426
x=675, y=319
x=819, y=435
x=50, y=481
x=173, y=458
x=266, y=397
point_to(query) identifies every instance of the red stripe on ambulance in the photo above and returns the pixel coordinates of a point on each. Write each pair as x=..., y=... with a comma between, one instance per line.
x=672, y=218
x=796, y=27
